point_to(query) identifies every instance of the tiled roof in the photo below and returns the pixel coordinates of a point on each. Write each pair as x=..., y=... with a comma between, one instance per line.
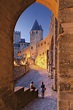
x=41, y=27
x=36, y=26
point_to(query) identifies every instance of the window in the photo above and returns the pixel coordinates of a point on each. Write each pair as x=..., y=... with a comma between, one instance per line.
x=32, y=32
x=31, y=47
x=45, y=42
x=38, y=45
x=19, y=52
x=41, y=44
x=36, y=32
x=43, y=53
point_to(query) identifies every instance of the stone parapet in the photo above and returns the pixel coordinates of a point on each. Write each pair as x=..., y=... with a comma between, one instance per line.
x=18, y=99
x=21, y=70
x=24, y=96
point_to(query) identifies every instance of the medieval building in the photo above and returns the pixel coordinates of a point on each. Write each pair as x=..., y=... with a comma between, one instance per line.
x=19, y=43
x=36, y=34
x=39, y=47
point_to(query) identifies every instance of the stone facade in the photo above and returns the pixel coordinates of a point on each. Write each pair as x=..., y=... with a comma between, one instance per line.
x=25, y=54
x=34, y=53
x=19, y=44
x=42, y=58
x=65, y=55
x=20, y=70
x=17, y=36
x=36, y=34
x=16, y=40
x=53, y=50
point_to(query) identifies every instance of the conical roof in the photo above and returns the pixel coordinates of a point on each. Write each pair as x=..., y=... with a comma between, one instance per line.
x=36, y=26
x=41, y=27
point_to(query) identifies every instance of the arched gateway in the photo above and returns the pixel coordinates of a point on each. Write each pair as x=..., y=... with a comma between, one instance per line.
x=10, y=10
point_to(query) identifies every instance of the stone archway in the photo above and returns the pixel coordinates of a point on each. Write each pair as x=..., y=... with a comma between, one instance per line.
x=9, y=14
x=52, y=5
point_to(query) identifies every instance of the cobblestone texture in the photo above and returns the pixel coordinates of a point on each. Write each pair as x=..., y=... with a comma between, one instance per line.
x=37, y=75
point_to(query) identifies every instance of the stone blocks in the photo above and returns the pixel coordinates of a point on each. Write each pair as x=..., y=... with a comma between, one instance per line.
x=21, y=70
x=65, y=52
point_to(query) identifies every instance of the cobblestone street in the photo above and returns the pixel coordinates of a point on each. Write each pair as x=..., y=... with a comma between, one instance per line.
x=37, y=75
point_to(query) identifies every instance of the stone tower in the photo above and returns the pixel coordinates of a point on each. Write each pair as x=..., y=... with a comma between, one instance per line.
x=36, y=34
x=17, y=36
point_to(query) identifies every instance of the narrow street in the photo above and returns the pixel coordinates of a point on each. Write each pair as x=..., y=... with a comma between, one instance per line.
x=37, y=75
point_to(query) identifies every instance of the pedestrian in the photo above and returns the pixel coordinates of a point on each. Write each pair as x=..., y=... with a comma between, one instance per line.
x=43, y=89
x=32, y=86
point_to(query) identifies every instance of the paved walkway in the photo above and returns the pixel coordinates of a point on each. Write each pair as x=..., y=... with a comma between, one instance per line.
x=37, y=75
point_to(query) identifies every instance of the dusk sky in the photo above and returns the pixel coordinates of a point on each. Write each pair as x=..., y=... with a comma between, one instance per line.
x=26, y=20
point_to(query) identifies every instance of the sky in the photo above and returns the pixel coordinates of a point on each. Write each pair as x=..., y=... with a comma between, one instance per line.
x=34, y=12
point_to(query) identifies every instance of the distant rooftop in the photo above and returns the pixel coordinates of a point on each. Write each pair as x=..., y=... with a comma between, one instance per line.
x=22, y=41
x=36, y=26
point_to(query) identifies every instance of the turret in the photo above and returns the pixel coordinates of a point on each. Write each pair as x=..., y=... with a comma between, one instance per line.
x=36, y=34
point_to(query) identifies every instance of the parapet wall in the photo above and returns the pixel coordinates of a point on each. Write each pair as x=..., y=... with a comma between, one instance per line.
x=24, y=96
x=18, y=99
x=21, y=70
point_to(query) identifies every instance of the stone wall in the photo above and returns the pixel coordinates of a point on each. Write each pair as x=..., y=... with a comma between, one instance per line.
x=65, y=55
x=42, y=49
x=53, y=50
x=25, y=52
x=35, y=37
x=8, y=18
x=21, y=70
x=18, y=99
x=23, y=97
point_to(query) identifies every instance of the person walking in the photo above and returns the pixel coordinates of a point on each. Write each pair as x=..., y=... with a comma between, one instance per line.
x=42, y=89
